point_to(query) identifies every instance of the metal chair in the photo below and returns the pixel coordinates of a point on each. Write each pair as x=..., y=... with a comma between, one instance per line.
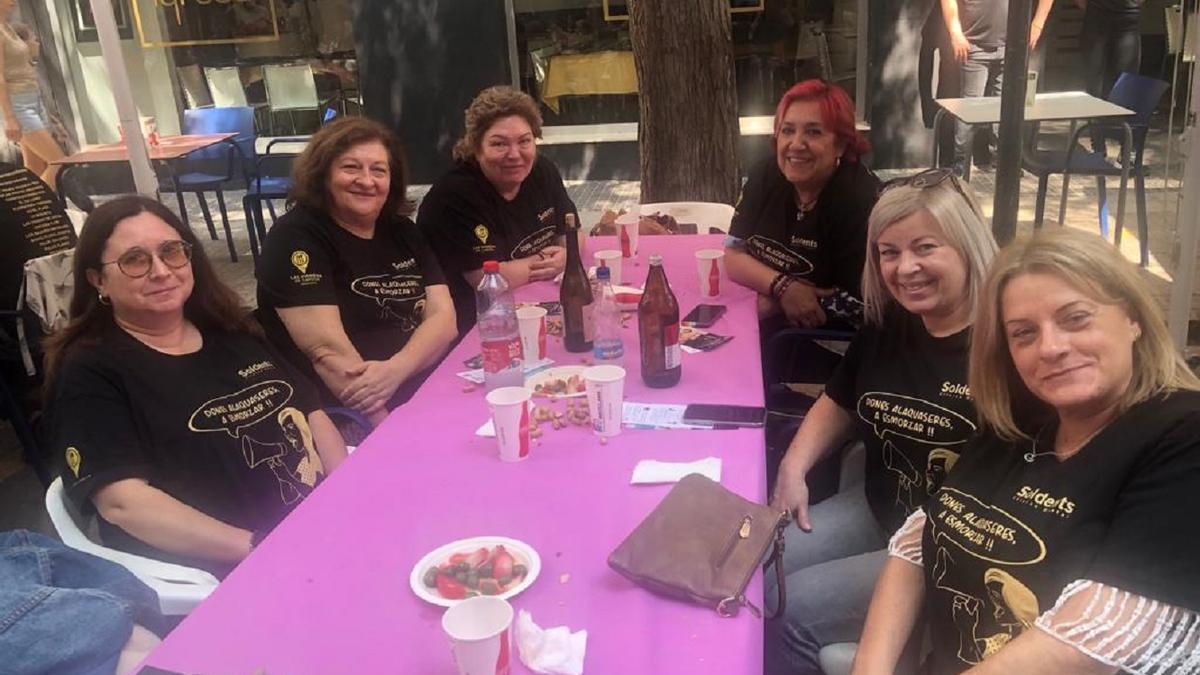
x=225, y=87
x=179, y=588
x=1137, y=93
x=289, y=88
x=201, y=171
x=194, y=87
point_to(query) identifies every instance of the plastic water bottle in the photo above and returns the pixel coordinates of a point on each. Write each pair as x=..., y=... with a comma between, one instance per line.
x=499, y=336
x=607, y=345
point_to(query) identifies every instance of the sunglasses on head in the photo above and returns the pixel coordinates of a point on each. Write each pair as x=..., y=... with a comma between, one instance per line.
x=932, y=178
x=137, y=261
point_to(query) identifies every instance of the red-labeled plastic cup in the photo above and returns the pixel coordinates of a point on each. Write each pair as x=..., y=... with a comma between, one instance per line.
x=532, y=323
x=510, y=418
x=479, y=630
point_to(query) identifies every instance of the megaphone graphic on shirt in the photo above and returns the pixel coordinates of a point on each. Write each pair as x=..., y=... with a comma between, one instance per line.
x=257, y=452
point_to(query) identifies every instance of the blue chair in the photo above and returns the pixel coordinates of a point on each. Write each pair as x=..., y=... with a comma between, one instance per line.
x=270, y=179
x=210, y=169
x=1134, y=92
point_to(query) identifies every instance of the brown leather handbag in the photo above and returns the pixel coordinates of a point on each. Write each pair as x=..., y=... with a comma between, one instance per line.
x=702, y=543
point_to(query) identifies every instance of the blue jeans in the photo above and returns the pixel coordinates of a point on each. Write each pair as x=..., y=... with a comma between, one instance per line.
x=28, y=109
x=64, y=611
x=982, y=75
x=830, y=576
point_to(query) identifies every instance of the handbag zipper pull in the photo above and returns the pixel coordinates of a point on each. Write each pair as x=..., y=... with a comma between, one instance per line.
x=743, y=532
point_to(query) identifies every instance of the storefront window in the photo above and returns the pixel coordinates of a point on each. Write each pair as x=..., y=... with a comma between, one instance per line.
x=574, y=56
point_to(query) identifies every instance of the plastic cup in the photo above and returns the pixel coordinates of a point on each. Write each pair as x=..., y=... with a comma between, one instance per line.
x=710, y=269
x=532, y=324
x=629, y=223
x=510, y=417
x=149, y=129
x=479, y=630
x=612, y=260
x=605, y=387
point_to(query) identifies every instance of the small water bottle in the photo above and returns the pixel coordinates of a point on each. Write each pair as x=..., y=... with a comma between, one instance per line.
x=607, y=345
x=499, y=335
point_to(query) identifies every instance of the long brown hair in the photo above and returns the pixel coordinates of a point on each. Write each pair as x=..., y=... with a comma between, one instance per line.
x=310, y=172
x=212, y=304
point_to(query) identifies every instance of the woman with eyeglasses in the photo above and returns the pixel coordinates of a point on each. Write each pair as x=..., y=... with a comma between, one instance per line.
x=902, y=391
x=165, y=406
x=1064, y=541
x=501, y=201
x=799, y=231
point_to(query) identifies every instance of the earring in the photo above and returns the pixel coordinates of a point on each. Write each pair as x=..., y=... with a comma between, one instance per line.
x=103, y=300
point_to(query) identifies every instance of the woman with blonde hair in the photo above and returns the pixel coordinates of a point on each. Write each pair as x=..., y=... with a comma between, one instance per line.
x=1083, y=488
x=901, y=390
x=502, y=201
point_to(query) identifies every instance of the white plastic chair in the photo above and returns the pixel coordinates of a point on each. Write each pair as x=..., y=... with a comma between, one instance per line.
x=179, y=588
x=225, y=86
x=703, y=214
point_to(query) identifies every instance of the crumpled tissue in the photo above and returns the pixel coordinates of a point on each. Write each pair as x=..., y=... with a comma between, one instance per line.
x=554, y=651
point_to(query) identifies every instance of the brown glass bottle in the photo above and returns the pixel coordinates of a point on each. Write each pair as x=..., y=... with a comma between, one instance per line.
x=658, y=329
x=576, y=296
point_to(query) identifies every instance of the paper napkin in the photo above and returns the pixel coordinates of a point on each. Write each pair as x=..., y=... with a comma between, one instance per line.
x=652, y=471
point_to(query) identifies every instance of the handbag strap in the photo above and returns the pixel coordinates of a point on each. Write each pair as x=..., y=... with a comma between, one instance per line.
x=780, y=580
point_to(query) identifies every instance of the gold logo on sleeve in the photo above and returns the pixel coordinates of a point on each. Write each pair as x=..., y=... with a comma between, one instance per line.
x=300, y=260
x=73, y=460
x=481, y=233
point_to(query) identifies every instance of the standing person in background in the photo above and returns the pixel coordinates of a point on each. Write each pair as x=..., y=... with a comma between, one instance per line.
x=25, y=118
x=978, y=30
x=1111, y=43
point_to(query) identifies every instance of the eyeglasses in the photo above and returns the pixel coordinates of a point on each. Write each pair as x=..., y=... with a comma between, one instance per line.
x=137, y=262
x=932, y=178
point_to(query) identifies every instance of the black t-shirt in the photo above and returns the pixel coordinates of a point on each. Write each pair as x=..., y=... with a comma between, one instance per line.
x=1005, y=536
x=908, y=394
x=984, y=22
x=224, y=429
x=1133, y=7
x=826, y=246
x=467, y=222
x=377, y=284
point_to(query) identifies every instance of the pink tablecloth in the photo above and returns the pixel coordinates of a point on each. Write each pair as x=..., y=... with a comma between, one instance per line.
x=328, y=591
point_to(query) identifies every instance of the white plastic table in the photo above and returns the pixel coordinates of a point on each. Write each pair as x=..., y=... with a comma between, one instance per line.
x=1048, y=107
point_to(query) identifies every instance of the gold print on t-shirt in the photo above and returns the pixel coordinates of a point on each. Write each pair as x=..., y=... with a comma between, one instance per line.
x=778, y=256
x=940, y=461
x=481, y=233
x=987, y=624
x=533, y=243
x=982, y=530
x=73, y=460
x=300, y=261
x=396, y=295
x=294, y=462
x=242, y=409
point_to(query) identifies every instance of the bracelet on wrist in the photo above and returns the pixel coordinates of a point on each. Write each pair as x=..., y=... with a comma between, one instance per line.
x=773, y=289
x=783, y=288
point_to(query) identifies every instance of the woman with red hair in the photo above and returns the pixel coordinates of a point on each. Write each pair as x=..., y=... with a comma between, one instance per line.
x=799, y=233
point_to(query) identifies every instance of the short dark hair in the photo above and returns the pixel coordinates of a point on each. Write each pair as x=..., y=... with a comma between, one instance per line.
x=311, y=170
x=492, y=104
x=212, y=304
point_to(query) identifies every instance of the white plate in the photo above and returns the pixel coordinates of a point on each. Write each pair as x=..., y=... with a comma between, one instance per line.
x=521, y=552
x=556, y=373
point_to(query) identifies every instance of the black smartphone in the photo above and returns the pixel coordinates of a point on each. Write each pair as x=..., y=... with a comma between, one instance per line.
x=704, y=316
x=724, y=415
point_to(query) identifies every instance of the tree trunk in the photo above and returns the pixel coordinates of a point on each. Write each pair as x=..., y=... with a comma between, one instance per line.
x=688, y=133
